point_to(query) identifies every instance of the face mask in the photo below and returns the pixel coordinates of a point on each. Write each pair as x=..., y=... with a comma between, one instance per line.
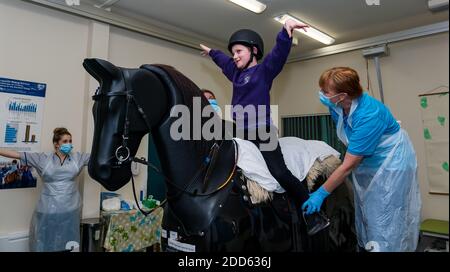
x=66, y=148
x=213, y=103
x=326, y=100
x=13, y=167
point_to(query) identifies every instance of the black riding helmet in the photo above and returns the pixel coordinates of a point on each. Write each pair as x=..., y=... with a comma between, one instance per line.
x=248, y=38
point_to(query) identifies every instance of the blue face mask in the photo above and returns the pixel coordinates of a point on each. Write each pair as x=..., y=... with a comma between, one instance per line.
x=13, y=167
x=326, y=100
x=213, y=103
x=66, y=148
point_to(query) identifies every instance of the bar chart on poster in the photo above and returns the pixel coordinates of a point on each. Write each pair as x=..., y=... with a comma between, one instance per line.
x=11, y=133
x=21, y=116
x=22, y=109
x=29, y=137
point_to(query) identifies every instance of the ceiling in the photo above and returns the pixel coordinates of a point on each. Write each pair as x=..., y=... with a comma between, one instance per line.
x=344, y=20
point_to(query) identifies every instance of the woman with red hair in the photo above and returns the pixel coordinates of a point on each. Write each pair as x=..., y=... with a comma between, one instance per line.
x=382, y=161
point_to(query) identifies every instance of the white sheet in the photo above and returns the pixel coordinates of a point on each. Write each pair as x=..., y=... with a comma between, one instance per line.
x=298, y=154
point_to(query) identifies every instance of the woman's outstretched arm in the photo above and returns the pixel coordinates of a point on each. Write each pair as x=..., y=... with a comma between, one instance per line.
x=9, y=153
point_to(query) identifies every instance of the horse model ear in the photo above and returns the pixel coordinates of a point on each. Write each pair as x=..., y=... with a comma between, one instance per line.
x=101, y=70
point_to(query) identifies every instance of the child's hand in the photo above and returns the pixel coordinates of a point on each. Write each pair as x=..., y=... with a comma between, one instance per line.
x=290, y=25
x=205, y=50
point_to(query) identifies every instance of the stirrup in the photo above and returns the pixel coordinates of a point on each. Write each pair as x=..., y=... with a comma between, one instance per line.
x=315, y=222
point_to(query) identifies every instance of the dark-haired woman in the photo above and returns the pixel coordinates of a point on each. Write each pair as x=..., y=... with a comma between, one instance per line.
x=56, y=219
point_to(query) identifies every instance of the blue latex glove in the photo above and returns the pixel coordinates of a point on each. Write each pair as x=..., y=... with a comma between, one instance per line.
x=315, y=200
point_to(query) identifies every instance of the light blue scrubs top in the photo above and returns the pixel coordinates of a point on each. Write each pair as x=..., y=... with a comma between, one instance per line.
x=370, y=121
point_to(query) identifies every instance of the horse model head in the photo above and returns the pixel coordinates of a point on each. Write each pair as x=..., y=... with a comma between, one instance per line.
x=119, y=122
x=129, y=103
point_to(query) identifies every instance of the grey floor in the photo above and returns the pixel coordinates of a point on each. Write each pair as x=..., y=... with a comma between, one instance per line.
x=432, y=244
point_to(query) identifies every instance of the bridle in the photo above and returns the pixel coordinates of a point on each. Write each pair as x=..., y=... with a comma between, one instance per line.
x=123, y=155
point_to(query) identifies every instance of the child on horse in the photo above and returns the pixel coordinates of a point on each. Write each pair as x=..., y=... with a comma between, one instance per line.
x=251, y=88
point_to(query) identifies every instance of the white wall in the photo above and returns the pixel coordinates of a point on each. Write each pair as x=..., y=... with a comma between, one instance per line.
x=38, y=44
x=413, y=67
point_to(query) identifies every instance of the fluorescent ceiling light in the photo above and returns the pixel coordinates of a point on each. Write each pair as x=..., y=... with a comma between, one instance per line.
x=104, y=4
x=437, y=5
x=310, y=31
x=252, y=5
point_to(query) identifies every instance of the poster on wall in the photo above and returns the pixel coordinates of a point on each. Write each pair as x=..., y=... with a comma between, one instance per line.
x=21, y=114
x=434, y=109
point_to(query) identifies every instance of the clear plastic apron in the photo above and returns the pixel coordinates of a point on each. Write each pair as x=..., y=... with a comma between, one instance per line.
x=387, y=195
x=56, y=219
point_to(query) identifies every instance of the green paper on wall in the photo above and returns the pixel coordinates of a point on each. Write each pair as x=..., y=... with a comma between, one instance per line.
x=427, y=134
x=424, y=102
x=441, y=120
x=434, y=108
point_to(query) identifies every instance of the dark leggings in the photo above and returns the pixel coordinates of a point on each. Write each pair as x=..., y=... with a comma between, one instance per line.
x=297, y=190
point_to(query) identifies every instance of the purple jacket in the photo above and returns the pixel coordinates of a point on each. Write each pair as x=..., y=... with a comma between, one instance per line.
x=252, y=85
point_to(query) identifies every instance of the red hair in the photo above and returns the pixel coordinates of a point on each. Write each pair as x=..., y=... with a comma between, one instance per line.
x=342, y=80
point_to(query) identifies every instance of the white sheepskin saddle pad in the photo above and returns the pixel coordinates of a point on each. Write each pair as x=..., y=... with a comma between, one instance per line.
x=304, y=158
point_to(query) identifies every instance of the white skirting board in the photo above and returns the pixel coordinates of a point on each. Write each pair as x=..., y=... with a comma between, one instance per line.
x=14, y=242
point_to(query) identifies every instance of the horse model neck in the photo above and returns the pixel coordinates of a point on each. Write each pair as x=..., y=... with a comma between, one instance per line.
x=180, y=159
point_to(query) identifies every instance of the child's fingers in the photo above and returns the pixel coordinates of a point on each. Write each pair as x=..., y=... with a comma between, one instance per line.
x=289, y=31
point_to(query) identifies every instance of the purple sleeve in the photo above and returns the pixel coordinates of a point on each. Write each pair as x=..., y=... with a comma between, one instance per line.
x=225, y=62
x=275, y=60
